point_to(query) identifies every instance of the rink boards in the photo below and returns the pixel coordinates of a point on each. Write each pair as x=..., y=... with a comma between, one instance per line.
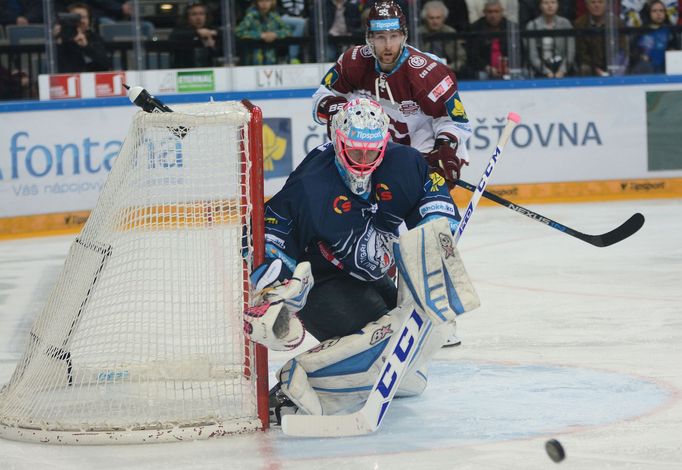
x=579, y=140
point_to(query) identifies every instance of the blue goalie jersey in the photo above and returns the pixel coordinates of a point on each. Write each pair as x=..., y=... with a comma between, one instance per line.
x=315, y=211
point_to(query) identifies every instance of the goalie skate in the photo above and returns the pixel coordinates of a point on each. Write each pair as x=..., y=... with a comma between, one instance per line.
x=280, y=405
x=453, y=340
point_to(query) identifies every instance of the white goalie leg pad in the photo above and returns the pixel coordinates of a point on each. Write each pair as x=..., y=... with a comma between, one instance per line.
x=295, y=385
x=432, y=270
x=337, y=374
x=340, y=372
x=417, y=375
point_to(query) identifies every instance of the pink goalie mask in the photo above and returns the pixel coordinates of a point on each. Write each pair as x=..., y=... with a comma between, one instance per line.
x=360, y=133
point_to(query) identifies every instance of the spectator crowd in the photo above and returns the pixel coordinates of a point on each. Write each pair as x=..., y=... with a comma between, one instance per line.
x=557, y=38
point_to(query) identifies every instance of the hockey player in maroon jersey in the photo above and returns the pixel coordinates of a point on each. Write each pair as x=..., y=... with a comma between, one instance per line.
x=416, y=90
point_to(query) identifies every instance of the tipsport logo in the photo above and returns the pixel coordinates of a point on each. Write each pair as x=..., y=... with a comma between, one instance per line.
x=365, y=135
x=384, y=25
x=277, y=152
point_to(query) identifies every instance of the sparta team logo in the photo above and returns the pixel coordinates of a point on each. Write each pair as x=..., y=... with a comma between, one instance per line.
x=341, y=204
x=446, y=244
x=416, y=61
x=408, y=108
x=366, y=51
x=382, y=193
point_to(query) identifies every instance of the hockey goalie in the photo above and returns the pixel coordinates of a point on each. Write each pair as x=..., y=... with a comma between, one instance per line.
x=331, y=240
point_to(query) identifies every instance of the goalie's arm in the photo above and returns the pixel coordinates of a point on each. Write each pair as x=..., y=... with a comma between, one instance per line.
x=280, y=283
x=434, y=200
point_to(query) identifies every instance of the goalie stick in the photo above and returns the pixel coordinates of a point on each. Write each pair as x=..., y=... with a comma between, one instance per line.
x=618, y=234
x=411, y=334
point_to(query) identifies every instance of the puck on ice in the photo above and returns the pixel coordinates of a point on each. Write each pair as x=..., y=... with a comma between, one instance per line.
x=555, y=450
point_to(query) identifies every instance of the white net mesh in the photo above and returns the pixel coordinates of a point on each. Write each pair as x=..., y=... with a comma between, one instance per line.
x=142, y=338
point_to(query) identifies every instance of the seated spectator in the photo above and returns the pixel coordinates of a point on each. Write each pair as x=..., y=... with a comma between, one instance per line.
x=636, y=13
x=433, y=14
x=262, y=21
x=530, y=9
x=550, y=56
x=21, y=12
x=476, y=7
x=458, y=17
x=487, y=54
x=240, y=7
x=648, y=48
x=80, y=48
x=110, y=11
x=343, y=19
x=13, y=84
x=295, y=14
x=591, y=48
x=195, y=43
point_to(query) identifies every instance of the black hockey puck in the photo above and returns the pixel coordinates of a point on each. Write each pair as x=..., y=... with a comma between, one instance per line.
x=555, y=450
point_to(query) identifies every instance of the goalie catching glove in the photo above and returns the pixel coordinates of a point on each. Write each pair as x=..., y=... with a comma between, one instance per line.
x=443, y=158
x=272, y=321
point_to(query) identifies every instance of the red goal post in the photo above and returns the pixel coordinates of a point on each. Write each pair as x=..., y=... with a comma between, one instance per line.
x=258, y=234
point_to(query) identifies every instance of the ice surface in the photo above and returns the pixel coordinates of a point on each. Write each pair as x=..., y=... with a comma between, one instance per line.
x=572, y=341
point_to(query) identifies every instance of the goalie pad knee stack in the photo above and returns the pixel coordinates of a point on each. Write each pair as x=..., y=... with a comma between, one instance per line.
x=337, y=374
x=340, y=371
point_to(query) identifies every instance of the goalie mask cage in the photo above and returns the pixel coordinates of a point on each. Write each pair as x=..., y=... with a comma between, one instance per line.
x=142, y=339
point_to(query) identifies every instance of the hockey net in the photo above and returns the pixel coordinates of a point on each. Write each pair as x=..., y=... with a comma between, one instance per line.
x=141, y=339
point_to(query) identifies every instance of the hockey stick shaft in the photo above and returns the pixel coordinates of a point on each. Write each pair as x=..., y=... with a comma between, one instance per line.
x=620, y=233
x=412, y=333
x=512, y=120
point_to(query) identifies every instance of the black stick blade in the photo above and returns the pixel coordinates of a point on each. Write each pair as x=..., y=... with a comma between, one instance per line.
x=620, y=233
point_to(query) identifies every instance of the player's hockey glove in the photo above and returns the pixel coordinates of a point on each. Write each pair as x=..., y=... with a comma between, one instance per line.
x=443, y=158
x=272, y=321
x=327, y=108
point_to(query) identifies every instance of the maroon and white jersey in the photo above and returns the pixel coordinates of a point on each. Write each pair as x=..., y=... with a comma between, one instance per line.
x=419, y=95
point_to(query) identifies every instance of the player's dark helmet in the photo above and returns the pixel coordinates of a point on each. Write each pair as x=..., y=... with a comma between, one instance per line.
x=385, y=15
